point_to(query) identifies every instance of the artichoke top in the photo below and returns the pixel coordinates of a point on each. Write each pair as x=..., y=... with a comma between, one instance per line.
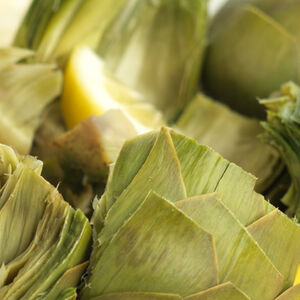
x=177, y=221
x=44, y=242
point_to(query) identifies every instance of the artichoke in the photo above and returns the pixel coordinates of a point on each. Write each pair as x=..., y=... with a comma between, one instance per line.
x=282, y=131
x=53, y=28
x=253, y=49
x=79, y=159
x=102, y=113
x=122, y=32
x=233, y=135
x=178, y=221
x=156, y=48
x=25, y=91
x=44, y=243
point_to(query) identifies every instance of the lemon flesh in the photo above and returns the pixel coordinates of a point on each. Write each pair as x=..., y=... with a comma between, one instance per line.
x=90, y=89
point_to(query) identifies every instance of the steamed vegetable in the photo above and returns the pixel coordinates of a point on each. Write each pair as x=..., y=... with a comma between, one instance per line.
x=130, y=36
x=179, y=221
x=78, y=160
x=54, y=28
x=44, y=243
x=25, y=91
x=101, y=113
x=156, y=48
x=254, y=48
x=233, y=135
x=282, y=131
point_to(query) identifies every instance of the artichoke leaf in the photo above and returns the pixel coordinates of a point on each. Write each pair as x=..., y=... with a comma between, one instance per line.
x=156, y=242
x=12, y=55
x=279, y=237
x=238, y=253
x=53, y=240
x=224, y=291
x=293, y=293
x=173, y=29
x=259, y=76
x=68, y=294
x=68, y=280
x=205, y=171
x=233, y=135
x=63, y=25
x=3, y=275
x=166, y=180
x=37, y=276
x=124, y=171
x=25, y=91
x=138, y=296
x=94, y=144
x=16, y=210
x=282, y=132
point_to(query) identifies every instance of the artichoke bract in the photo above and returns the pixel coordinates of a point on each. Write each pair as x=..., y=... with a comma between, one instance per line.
x=130, y=36
x=25, y=90
x=178, y=221
x=156, y=48
x=44, y=243
x=282, y=131
x=233, y=135
x=79, y=159
x=254, y=48
x=54, y=28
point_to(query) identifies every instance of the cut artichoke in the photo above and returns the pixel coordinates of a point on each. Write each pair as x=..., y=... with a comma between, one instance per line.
x=25, y=91
x=171, y=225
x=234, y=136
x=102, y=113
x=50, y=239
x=283, y=133
x=79, y=159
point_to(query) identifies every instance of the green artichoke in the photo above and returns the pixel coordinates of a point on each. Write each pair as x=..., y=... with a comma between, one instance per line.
x=233, y=135
x=25, y=91
x=253, y=49
x=44, y=243
x=178, y=221
x=53, y=28
x=282, y=131
x=79, y=159
x=156, y=48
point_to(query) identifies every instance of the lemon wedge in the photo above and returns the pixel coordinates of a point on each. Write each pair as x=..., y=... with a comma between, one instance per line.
x=90, y=89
